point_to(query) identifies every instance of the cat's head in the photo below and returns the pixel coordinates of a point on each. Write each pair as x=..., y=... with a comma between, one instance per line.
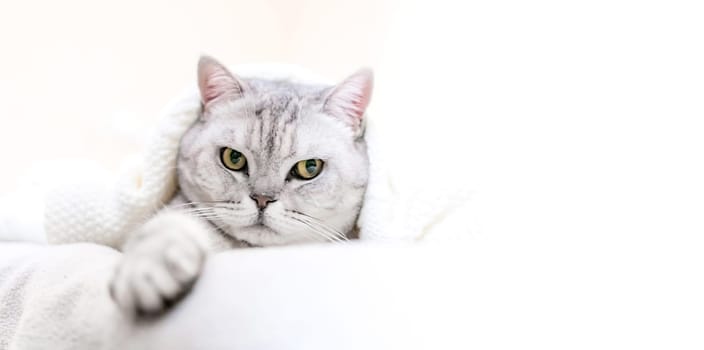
x=275, y=162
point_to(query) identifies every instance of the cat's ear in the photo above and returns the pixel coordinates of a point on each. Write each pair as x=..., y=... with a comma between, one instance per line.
x=349, y=99
x=216, y=83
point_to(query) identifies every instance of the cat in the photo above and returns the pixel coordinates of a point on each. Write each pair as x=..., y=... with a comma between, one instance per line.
x=268, y=162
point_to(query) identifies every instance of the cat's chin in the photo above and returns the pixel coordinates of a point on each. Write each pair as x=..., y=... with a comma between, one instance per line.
x=260, y=235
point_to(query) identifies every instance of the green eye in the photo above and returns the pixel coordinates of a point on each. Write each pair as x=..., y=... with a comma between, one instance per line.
x=232, y=159
x=307, y=169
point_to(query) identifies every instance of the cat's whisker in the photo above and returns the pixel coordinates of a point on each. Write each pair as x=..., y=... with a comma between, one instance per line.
x=211, y=209
x=200, y=210
x=214, y=213
x=209, y=216
x=331, y=236
x=202, y=203
x=314, y=236
x=219, y=211
x=322, y=225
x=218, y=216
x=319, y=229
x=328, y=233
x=317, y=233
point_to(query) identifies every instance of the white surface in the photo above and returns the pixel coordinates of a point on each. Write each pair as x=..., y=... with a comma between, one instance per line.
x=56, y=297
x=481, y=295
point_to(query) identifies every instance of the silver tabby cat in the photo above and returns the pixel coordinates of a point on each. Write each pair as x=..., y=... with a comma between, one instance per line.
x=267, y=163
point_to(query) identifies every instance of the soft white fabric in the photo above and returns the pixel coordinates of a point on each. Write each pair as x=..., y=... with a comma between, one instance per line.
x=487, y=295
x=56, y=297
x=84, y=207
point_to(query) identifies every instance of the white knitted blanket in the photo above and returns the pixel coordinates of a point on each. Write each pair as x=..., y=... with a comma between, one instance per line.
x=87, y=209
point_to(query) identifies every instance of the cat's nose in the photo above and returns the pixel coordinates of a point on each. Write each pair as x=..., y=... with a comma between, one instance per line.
x=262, y=200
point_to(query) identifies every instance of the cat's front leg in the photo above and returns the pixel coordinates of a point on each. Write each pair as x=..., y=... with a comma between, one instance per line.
x=161, y=261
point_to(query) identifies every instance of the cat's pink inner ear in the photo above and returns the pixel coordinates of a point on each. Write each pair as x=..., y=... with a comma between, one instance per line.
x=216, y=82
x=349, y=99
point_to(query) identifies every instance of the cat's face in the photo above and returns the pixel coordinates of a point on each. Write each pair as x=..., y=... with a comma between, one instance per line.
x=275, y=162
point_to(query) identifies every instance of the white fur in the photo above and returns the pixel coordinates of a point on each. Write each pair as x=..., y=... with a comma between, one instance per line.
x=314, y=133
x=349, y=100
x=161, y=261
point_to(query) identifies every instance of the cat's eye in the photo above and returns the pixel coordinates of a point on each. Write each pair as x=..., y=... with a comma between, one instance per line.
x=232, y=159
x=307, y=169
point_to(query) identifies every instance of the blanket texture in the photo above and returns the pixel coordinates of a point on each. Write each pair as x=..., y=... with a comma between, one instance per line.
x=57, y=298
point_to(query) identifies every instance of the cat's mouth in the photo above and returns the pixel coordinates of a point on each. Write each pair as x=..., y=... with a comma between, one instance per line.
x=262, y=223
x=264, y=227
x=265, y=221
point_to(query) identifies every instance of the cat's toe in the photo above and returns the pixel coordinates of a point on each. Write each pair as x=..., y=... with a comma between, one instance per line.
x=161, y=262
x=144, y=287
x=121, y=291
x=184, y=262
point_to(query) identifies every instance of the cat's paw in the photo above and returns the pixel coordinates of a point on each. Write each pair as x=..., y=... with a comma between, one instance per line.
x=159, y=266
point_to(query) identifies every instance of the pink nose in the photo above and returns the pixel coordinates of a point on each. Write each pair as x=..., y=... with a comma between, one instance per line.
x=262, y=200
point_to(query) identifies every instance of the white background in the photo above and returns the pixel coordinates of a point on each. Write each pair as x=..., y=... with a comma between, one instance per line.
x=577, y=125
